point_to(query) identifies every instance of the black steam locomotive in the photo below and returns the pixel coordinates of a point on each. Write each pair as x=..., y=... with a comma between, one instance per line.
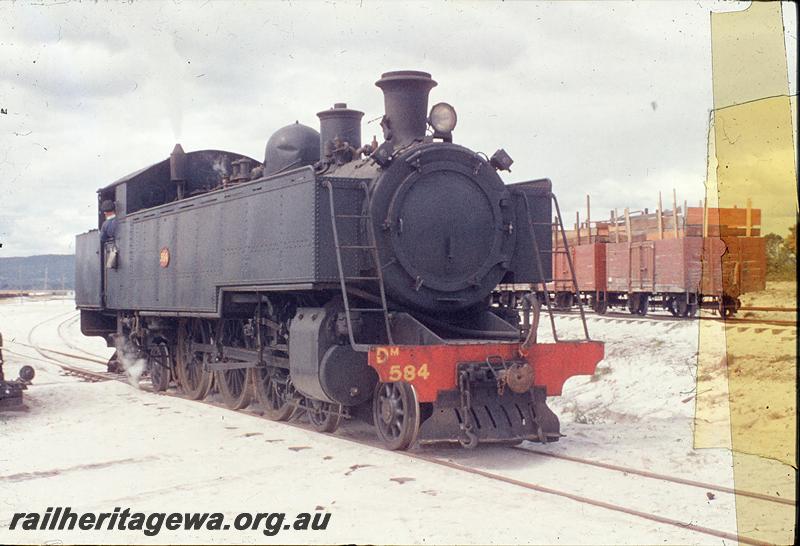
x=338, y=279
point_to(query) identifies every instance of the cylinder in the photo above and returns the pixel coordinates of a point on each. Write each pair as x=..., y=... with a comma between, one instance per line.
x=339, y=122
x=405, y=96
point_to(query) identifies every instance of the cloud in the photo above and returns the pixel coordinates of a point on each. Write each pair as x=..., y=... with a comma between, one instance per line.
x=69, y=72
x=566, y=88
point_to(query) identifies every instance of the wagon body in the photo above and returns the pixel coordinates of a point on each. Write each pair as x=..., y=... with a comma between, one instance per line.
x=562, y=276
x=678, y=265
x=590, y=267
x=631, y=266
x=744, y=265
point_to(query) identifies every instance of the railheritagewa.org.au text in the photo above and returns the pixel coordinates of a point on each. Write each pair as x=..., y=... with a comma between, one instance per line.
x=63, y=518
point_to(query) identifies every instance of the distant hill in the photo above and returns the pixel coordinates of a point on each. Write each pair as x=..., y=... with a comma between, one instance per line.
x=51, y=271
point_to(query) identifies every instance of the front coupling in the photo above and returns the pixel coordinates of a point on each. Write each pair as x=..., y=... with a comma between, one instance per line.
x=519, y=377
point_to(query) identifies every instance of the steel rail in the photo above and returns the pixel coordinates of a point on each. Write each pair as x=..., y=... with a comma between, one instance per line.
x=498, y=477
x=86, y=374
x=663, y=477
x=593, y=502
x=785, y=309
x=665, y=318
x=462, y=468
x=69, y=343
x=39, y=348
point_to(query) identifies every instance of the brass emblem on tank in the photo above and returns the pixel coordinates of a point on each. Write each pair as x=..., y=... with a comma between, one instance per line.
x=163, y=257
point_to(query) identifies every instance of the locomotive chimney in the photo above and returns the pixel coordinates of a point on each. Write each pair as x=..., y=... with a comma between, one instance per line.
x=339, y=122
x=177, y=169
x=405, y=96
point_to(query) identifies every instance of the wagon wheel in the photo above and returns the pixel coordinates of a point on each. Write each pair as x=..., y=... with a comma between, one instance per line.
x=159, y=363
x=324, y=417
x=395, y=410
x=193, y=378
x=234, y=385
x=599, y=305
x=727, y=308
x=275, y=392
x=633, y=303
x=678, y=306
x=669, y=305
x=564, y=300
x=644, y=303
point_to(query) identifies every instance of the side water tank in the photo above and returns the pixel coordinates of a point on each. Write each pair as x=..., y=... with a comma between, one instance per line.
x=289, y=147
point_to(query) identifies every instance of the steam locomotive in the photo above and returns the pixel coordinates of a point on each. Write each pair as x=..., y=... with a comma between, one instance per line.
x=338, y=279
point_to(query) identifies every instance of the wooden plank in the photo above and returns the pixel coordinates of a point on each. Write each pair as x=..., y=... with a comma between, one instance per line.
x=589, y=218
x=734, y=217
x=674, y=213
x=685, y=208
x=749, y=216
x=617, y=267
x=590, y=266
x=627, y=224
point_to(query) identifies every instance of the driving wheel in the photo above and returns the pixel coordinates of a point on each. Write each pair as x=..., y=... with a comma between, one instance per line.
x=159, y=363
x=395, y=410
x=324, y=417
x=275, y=392
x=194, y=379
x=234, y=385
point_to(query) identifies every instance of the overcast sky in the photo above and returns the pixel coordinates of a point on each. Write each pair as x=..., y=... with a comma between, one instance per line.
x=610, y=99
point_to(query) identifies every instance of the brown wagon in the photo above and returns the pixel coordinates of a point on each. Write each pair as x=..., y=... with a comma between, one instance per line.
x=679, y=260
x=589, y=261
x=631, y=269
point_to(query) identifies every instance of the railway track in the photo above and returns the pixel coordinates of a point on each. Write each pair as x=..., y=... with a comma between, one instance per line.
x=777, y=309
x=63, y=325
x=733, y=321
x=656, y=476
x=88, y=375
x=653, y=516
x=47, y=358
x=649, y=516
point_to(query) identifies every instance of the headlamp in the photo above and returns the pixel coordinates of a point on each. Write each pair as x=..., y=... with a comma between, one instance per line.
x=443, y=118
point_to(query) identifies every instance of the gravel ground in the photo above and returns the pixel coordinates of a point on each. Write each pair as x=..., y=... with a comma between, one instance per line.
x=97, y=446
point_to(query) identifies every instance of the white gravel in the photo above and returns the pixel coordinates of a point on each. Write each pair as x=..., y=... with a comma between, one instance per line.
x=97, y=446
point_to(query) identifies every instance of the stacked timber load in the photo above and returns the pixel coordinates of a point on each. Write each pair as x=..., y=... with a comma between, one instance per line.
x=680, y=222
x=644, y=225
x=638, y=226
x=723, y=222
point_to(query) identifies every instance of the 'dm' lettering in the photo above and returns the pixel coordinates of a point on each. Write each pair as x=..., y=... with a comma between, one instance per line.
x=382, y=354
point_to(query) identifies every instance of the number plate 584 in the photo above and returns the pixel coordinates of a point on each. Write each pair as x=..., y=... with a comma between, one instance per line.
x=409, y=372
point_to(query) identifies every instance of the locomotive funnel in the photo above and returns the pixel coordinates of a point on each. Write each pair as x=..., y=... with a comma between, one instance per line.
x=341, y=122
x=405, y=96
